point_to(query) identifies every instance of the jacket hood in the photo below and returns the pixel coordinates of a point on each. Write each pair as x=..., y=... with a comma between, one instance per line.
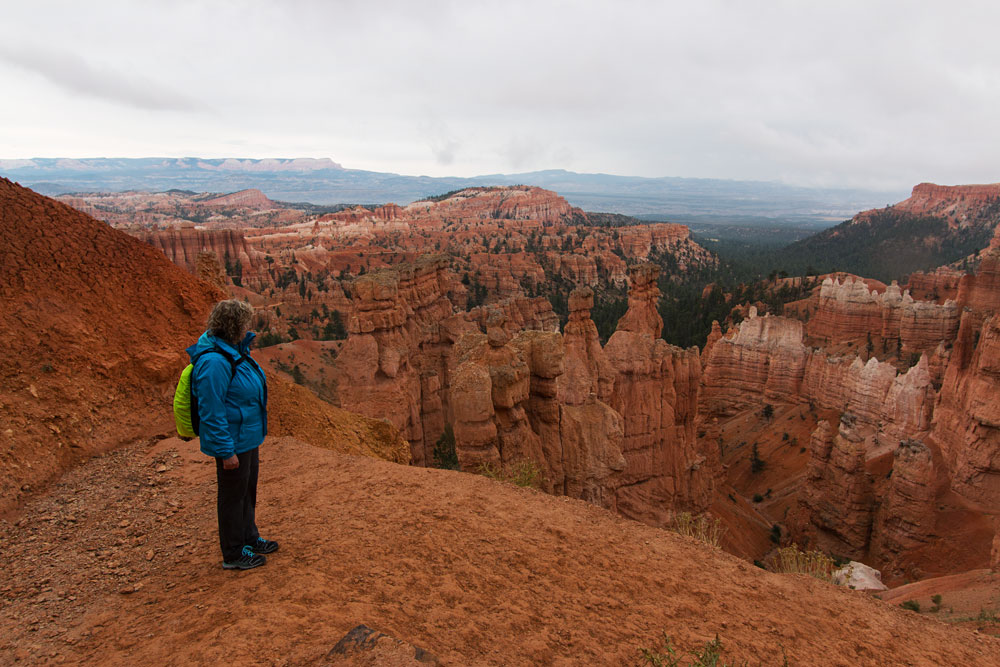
x=207, y=341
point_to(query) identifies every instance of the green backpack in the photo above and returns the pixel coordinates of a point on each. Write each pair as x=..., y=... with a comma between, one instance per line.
x=186, y=401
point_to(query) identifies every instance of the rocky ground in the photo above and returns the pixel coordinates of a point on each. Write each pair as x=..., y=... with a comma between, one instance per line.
x=117, y=563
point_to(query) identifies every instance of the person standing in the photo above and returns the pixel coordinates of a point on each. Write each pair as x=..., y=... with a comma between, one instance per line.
x=231, y=392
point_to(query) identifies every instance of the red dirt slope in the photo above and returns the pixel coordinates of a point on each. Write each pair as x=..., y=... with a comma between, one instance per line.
x=92, y=327
x=474, y=571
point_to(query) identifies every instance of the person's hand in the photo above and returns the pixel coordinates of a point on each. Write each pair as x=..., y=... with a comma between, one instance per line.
x=231, y=463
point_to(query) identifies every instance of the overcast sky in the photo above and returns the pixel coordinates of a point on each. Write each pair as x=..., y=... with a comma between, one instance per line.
x=871, y=94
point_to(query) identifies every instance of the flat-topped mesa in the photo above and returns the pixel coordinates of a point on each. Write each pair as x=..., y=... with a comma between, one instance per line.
x=355, y=214
x=251, y=198
x=850, y=312
x=512, y=204
x=956, y=203
x=182, y=246
x=642, y=316
x=960, y=205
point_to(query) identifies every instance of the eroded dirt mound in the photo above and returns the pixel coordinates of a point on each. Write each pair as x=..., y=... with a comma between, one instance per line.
x=93, y=324
x=473, y=571
x=295, y=411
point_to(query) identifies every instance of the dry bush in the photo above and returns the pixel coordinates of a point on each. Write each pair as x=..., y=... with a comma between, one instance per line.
x=702, y=527
x=524, y=473
x=817, y=564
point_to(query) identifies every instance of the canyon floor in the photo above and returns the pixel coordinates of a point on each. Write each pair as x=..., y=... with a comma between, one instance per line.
x=117, y=563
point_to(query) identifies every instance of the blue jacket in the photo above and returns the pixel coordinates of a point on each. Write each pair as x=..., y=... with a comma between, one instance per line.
x=233, y=414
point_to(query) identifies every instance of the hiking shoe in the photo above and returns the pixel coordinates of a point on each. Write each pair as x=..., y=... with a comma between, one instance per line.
x=262, y=546
x=248, y=560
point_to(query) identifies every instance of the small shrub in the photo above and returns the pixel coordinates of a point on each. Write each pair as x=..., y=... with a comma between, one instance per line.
x=709, y=655
x=758, y=498
x=776, y=534
x=988, y=616
x=757, y=464
x=936, y=599
x=702, y=527
x=523, y=473
x=817, y=564
x=444, y=454
x=912, y=605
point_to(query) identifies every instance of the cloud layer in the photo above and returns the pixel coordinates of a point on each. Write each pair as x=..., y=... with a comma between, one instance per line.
x=855, y=94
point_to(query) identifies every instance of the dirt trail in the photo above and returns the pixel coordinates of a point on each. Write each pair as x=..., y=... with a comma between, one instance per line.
x=118, y=564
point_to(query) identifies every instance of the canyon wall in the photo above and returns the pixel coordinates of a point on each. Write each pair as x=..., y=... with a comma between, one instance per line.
x=885, y=322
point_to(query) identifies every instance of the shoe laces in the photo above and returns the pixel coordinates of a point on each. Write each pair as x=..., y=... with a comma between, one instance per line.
x=248, y=552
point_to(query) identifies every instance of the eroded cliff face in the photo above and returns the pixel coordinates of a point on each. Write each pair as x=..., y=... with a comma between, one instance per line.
x=587, y=369
x=911, y=447
x=393, y=361
x=614, y=426
x=906, y=518
x=967, y=418
x=837, y=501
x=762, y=358
x=887, y=321
x=183, y=245
x=958, y=204
x=656, y=391
x=508, y=411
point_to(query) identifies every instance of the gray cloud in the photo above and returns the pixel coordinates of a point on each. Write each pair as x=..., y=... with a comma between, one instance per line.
x=852, y=93
x=75, y=75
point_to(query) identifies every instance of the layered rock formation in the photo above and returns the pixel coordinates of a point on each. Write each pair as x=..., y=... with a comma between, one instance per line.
x=891, y=320
x=837, y=500
x=183, y=246
x=508, y=412
x=587, y=369
x=967, y=417
x=938, y=286
x=393, y=360
x=958, y=204
x=906, y=518
x=138, y=211
x=763, y=358
x=656, y=391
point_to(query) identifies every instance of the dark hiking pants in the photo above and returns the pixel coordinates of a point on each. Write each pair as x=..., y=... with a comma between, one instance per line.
x=237, y=500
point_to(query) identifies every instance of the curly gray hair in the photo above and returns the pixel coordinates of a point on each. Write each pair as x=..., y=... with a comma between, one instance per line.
x=230, y=320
